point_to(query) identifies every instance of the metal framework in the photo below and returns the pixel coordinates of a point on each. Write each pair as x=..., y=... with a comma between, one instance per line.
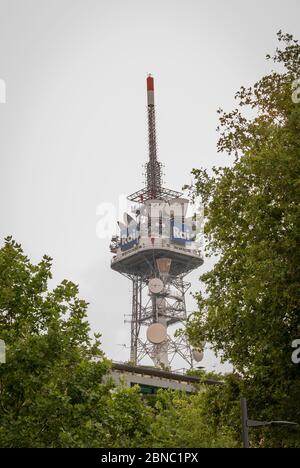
x=166, y=307
x=153, y=189
x=170, y=305
x=153, y=167
x=145, y=194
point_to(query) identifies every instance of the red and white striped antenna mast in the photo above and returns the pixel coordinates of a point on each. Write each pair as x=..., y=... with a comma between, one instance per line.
x=154, y=188
x=153, y=167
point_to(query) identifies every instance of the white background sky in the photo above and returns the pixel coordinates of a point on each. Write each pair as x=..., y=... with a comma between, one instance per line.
x=73, y=131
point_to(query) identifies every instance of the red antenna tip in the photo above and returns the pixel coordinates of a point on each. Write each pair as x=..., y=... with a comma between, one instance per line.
x=150, y=83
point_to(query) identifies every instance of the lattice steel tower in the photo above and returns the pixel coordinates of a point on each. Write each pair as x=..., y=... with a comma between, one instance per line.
x=157, y=247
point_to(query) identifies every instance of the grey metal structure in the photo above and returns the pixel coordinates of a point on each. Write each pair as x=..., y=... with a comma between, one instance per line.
x=156, y=249
x=169, y=305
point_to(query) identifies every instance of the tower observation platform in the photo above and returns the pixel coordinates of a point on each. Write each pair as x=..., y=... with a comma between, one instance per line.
x=157, y=246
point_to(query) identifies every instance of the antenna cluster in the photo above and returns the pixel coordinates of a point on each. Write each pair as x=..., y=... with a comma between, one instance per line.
x=156, y=250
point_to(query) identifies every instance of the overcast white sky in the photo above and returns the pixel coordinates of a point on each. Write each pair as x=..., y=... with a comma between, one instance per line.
x=73, y=131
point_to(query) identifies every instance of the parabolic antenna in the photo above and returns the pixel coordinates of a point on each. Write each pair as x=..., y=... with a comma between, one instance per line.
x=198, y=355
x=156, y=285
x=157, y=333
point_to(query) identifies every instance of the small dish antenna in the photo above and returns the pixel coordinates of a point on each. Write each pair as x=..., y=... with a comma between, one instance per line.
x=157, y=333
x=155, y=285
x=198, y=355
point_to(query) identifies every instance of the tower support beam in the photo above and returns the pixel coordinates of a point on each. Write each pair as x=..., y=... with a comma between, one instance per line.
x=169, y=309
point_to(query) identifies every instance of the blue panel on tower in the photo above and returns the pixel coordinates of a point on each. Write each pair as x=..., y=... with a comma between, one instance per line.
x=129, y=236
x=181, y=233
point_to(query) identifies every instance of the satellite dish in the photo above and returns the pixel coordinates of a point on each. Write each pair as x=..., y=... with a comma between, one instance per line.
x=156, y=285
x=157, y=333
x=198, y=355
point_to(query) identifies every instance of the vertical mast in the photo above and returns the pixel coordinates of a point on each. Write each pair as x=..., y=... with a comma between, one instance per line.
x=153, y=167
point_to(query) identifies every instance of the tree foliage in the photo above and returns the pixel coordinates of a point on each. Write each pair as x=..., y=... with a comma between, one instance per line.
x=182, y=420
x=54, y=388
x=250, y=310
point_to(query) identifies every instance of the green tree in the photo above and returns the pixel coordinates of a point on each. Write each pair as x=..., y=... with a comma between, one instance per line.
x=54, y=388
x=182, y=420
x=250, y=310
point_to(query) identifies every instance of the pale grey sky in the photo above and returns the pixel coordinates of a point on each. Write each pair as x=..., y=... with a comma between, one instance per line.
x=73, y=131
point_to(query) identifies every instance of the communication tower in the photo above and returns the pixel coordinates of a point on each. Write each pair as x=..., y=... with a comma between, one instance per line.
x=156, y=248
